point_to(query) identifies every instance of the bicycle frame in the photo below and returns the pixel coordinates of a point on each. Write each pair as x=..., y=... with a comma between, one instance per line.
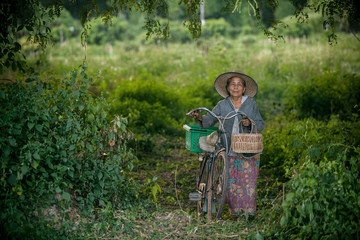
x=210, y=157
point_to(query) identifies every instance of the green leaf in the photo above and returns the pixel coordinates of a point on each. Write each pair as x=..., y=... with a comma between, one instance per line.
x=17, y=47
x=89, y=147
x=30, y=125
x=20, y=27
x=57, y=190
x=36, y=156
x=283, y=221
x=6, y=151
x=258, y=236
x=7, y=63
x=24, y=169
x=83, y=74
x=29, y=28
x=39, y=127
x=65, y=196
x=111, y=135
x=34, y=164
x=290, y=196
x=103, y=114
x=90, y=117
x=28, y=80
x=12, y=179
x=12, y=142
x=69, y=124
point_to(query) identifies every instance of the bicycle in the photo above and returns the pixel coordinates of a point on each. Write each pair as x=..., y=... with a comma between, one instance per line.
x=213, y=174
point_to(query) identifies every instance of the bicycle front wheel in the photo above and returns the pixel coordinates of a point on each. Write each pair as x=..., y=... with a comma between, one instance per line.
x=217, y=186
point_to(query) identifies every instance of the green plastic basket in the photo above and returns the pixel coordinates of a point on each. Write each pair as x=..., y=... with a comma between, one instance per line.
x=193, y=135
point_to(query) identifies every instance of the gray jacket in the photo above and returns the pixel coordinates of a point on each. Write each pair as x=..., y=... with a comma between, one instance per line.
x=226, y=108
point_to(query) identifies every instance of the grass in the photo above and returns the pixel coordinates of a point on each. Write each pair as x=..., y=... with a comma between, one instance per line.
x=174, y=216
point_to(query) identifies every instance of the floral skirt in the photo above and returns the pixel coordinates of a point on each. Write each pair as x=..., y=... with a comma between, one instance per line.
x=241, y=193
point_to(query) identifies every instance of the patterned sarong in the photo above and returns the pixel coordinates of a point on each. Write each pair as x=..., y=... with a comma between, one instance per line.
x=241, y=193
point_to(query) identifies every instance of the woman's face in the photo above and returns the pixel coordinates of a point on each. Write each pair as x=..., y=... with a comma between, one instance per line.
x=236, y=87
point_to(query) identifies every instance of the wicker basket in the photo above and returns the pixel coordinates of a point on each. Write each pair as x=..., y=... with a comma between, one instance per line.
x=247, y=142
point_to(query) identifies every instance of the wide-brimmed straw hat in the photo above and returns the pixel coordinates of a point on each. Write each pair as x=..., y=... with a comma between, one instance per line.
x=220, y=83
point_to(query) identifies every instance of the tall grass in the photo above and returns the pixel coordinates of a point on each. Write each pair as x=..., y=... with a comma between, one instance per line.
x=190, y=69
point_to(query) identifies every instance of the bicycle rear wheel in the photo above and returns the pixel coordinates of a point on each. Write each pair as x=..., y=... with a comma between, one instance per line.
x=202, y=180
x=216, y=187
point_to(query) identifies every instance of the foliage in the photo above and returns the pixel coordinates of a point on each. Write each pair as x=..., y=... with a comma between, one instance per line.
x=325, y=95
x=34, y=19
x=24, y=17
x=323, y=199
x=152, y=188
x=151, y=107
x=289, y=144
x=295, y=29
x=65, y=27
x=215, y=28
x=57, y=146
x=179, y=33
x=330, y=10
x=184, y=74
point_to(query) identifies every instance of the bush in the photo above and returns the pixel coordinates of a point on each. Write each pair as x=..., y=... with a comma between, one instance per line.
x=179, y=33
x=101, y=33
x=323, y=201
x=296, y=29
x=215, y=28
x=289, y=143
x=319, y=162
x=150, y=106
x=57, y=146
x=326, y=95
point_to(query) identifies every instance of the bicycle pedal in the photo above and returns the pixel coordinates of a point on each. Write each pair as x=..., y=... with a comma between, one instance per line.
x=195, y=196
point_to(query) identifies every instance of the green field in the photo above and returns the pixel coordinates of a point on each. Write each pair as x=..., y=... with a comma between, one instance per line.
x=308, y=95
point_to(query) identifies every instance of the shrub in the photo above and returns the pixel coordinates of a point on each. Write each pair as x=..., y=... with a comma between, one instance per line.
x=101, y=33
x=215, y=28
x=288, y=143
x=296, y=29
x=323, y=201
x=326, y=95
x=58, y=146
x=179, y=33
x=150, y=106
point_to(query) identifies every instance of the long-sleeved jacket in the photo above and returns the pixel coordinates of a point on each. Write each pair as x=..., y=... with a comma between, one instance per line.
x=226, y=108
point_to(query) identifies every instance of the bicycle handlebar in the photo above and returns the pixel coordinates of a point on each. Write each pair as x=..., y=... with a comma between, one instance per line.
x=221, y=120
x=242, y=114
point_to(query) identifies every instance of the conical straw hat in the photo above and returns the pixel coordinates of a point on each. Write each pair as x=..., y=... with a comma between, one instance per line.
x=221, y=80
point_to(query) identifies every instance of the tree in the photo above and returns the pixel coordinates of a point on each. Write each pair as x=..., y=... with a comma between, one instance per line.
x=32, y=18
x=19, y=18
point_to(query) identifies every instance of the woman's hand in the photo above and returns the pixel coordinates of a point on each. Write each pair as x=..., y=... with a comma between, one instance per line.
x=195, y=115
x=245, y=122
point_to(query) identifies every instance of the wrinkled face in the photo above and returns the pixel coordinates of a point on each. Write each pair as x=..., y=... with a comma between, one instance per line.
x=236, y=87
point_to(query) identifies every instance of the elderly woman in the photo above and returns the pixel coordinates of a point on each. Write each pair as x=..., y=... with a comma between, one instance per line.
x=238, y=91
